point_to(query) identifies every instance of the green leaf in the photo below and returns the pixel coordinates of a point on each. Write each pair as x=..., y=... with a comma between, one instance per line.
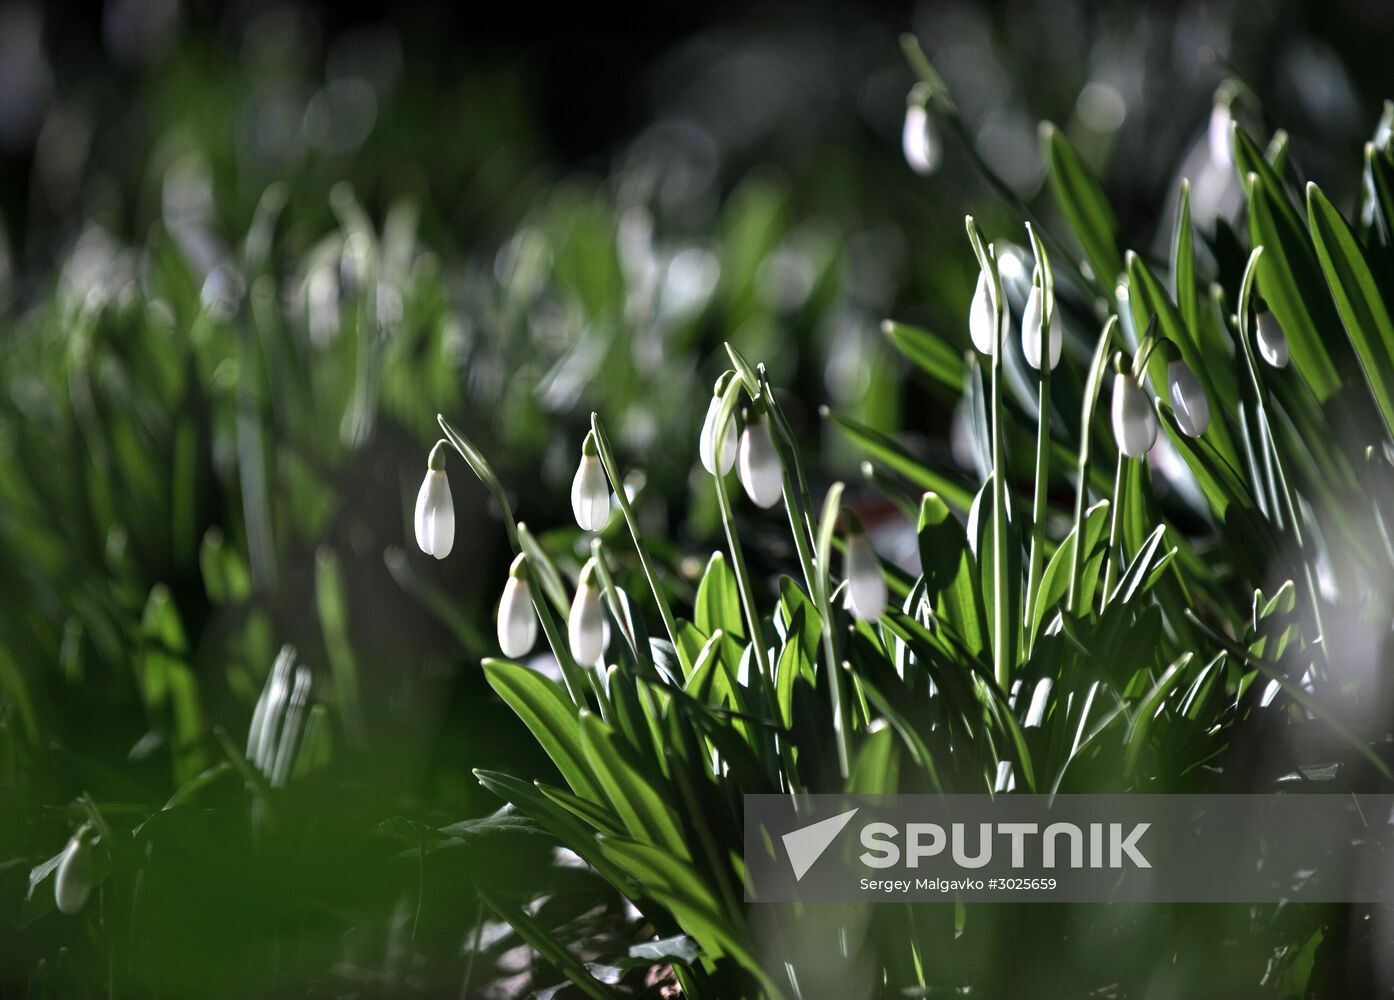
x=1358, y=300
x=550, y=716
x=1081, y=198
x=1183, y=263
x=590, y=812
x=679, y=887
x=1147, y=711
x=633, y=793
x=1149, y=299
x=929, y=352
x=718, y=601
x=551, y=950
x=1055, y=581
x=877, y=767
x=896, y=458
x=560, y=822
x=1289, y=277
x=950, y=573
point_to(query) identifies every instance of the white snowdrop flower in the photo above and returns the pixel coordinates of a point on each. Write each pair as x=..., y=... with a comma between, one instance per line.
x=517, y=627
x=918, y=139
x=1134, y=423
x=866, y=584
x=73, y=883
x=1217, y=134
x=1188, y=400
x=980, y=318
x=707, y=444
x=1272, y=341
x=1031, y=332
x=587, y=628
x=435, y=509
x=759, y=470
x=590, y=490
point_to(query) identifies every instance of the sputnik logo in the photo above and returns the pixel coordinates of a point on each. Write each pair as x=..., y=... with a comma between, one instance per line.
x=807, y=844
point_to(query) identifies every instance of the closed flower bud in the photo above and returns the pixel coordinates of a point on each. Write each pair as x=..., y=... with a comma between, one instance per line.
x=866, y=584
x=980, y=319
x=760, y=472
x=517, y=620
x=1188, y=400
x=918, y=140
x=1272, y=341
x=590, y=490
x=1134, y=423
x=706, y=446
x=587, y=628
x=1031, y=332
x=73, y=883
x=435, y=510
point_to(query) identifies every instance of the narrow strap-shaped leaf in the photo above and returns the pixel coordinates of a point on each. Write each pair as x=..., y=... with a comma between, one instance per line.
x=1358, y=300
x=1082, y=199
x=550, y=717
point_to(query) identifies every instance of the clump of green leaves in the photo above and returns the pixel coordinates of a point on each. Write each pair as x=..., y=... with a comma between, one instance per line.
x=1093, y=614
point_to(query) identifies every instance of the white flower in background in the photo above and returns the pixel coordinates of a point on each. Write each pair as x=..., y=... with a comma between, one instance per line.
x=517, y=626
x=760, y=472
x=590, y=490
x=1272, y=341
x=1188, y=400
x=980, y=318
x=866, y=584
x=1134, y=423
x=587, y=628
x=918, y=139
x=73, y=883
x=1031, y=332
x=1217, y=134
x=706, y=446
x=435, y=509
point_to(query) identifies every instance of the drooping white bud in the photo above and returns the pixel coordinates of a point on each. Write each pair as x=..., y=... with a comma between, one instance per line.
x=1031, y=332
x=1188, y=400
x=706, y=446
x=435, y=509
x=517, y=626
x=980, y=319
x=1134, y=423
x=760, y=472
x=590, y=490
x=866, y=584
x=73, y=883
x=919, y=141
x=587, y=628
x=1272, y=341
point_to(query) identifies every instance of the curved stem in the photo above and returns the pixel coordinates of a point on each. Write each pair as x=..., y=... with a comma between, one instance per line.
x=607, y=459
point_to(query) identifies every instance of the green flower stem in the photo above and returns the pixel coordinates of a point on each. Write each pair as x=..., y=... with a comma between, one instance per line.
x=642, y=658
x=726, y=414
x=796, y=501
x=945, y=107
x=1001, y=651
x=752, y=614
x=1288, y=497
x=537, y=579
x=607, y=459
x=1038, y=509
x=1097, y=367
x=612, y=599
x=822, y=596
x=1115, y=531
